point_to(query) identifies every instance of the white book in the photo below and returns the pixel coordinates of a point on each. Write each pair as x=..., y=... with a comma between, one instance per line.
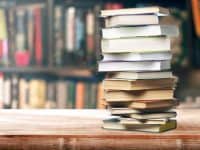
x=137, y=56
x=133, y=20
x=136, y=44
x=134, y=66
x=141, y=75
x=134, y=11
x=151, y=30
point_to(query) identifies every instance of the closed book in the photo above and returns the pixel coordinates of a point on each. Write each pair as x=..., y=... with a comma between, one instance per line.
x=38, y=36
x=146, y=116
x=61, y=94
x=1, y=89
x=140, y=75
x=80, y=95
x=93, y=96
x=135, y=11
x=100, y=100
x=128, y=32
x=14, y=92
x=136, y=45
x=133, y=20
x=37, y=93
x=71, y=86
x=132, y=121
x=7, y=93
x=114, y=124
x=58, y=35
x=70, y=16
x=140, y=105
x=51, y=95
x=23, y=93
x=128, y=96
x=137, y=56
x=128, y=85
x=133, y=66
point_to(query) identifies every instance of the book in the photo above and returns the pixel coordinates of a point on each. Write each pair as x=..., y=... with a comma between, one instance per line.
x=152, y=104
x=133, y=20
x=71, y=86
x=51, y=95
x=114, y=124
x=80, y=95
x=1, y=89
x=140, y=75
x=38, y=36
x=132, y=121
x=130, y=96
x=100, y=93
x=93, y=96
x=128, y=85
x=146, y=116
x=122, y=111
x=135, y=11
x=136, y=45
x=137, y=56
x=62, y=94
x=134, y=66
x=23, y=93
x=136, y=31
x=37, y=93
x=70, y=37
x=7, y=92
x=58, y=35
x=14, y=92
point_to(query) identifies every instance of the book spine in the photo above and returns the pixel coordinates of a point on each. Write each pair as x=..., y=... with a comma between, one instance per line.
x=90, y=30
x=80, y=92
x=51, y=95
x=7, y=93
x=1, y=89
x=61, y=94
x=58, y=35
x=38, y=36
x=30, y=34
x=14, y=92
x=71, y=11
x=23, y=93
x=11, y=33
x=71, y=95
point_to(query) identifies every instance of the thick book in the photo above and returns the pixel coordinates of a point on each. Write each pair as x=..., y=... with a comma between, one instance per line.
x=130, y=96
x=114, y=124
x=153, y=104
x=135, y=11
x=146, y=116
x=80, y=95
x=61, y=94
x=136, y=45
x=134, y=66
x=140, y=75
x=128, y=32
x=132, y=121
x=137, y=56
x=133, y=20
x=128, y=85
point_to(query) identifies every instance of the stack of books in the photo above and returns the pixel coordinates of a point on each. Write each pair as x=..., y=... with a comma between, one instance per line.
x=139, y=87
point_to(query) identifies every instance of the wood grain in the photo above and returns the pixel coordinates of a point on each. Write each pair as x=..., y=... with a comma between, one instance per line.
x=69, y=129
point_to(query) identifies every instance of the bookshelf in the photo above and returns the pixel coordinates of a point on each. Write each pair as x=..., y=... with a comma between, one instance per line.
x=77, y=64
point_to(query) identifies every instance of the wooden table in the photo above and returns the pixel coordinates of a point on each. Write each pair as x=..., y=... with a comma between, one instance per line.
x=80, y=130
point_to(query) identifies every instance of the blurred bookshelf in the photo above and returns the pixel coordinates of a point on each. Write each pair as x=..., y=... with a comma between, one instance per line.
x=55, y=42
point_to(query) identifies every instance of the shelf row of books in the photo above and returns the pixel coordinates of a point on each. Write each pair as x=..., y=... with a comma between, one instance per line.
x=24, y=34
x=77, y=33
x=19, y=92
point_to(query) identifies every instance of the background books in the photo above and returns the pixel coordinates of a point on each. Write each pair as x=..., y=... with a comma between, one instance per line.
x=20, y=92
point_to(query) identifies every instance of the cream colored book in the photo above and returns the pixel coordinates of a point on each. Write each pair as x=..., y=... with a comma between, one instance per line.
x=114, y=124
x=136, y=11
x=146, y=116
x=128, y=85
x=130, y=96
x=140, y=75
x=136, y=45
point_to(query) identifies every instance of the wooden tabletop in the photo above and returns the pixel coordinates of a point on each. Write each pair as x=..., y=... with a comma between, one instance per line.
x=81, y=129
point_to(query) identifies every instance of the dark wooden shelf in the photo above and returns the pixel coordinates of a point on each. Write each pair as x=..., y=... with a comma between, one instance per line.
x=65, y=71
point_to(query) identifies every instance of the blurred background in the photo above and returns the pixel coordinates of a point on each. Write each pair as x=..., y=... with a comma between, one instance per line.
x=49, y=50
